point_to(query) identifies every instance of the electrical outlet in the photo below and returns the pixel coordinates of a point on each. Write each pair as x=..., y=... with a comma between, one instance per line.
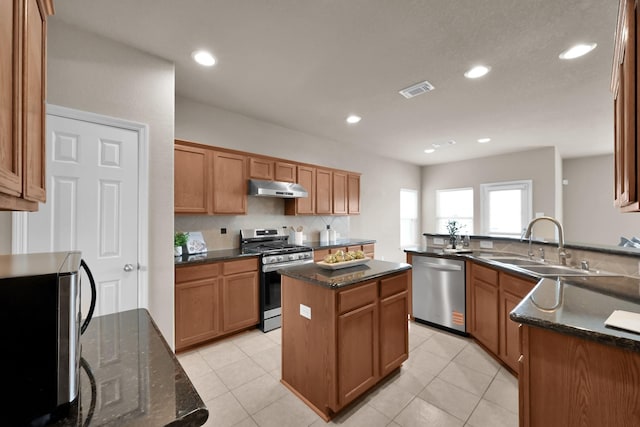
x=223, y=231
x=486, y=244
x=305, y=311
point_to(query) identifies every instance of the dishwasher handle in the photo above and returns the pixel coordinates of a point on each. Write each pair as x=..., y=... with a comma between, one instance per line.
x=447, y=267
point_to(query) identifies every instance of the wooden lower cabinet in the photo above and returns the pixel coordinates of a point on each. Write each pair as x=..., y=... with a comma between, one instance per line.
x=240, y=300
x=215, y=299
x=351, y=339
x=494, y=294
x=570, y=381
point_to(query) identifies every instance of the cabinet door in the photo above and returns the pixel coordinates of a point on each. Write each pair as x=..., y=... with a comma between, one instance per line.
x=229, y=183
x=394, y=332
x=191, y=180
x=324, y=191
x=485, y=314
x=357, y=352
x=260, y=168
x=319, y=254
x=509, y=334
x=240, y=301
x=339, y=193
x=353, y=189
x=33, y=108
x=285, y=172
x=304, y=205
x=197, y=315
x=10, y=147
x=369, y=250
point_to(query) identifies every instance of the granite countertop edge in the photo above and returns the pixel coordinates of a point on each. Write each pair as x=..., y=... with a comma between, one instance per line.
x=307, y=273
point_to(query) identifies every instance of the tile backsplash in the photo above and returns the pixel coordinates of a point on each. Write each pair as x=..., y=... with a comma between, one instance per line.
x=263, y=212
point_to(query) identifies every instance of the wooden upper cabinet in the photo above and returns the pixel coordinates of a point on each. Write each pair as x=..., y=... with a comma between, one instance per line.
x=353, y=194
x=260, y=168
x=191, y=179
x=624, y=84
x=229, y=183
x=23, y=32
x=303, y=205
x=324, y=191
x=339, y=193
x=285, y=172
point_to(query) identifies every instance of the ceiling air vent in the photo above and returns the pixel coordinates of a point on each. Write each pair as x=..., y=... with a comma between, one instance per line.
x=416, y=89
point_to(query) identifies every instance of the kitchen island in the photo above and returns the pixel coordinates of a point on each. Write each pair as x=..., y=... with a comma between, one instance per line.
x=342, y=330
x=130, y=376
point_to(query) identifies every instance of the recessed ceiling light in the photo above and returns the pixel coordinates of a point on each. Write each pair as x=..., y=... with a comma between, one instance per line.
x=451, y=142
x=430, y=150
x=203, y=57
x=435, y=145
x=577, y=51
x=477, y=71
x=484, y=140
x=353, y=119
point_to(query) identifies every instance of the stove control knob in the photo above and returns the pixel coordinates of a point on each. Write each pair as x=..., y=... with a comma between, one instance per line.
x=280, y=258
x=292, y=257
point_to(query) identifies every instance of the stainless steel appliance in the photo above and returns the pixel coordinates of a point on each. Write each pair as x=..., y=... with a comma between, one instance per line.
x=40, y=332
x=439, y=292
x=276, y=253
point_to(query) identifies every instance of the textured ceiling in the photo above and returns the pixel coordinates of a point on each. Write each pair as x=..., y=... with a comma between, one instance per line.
x=307, y=64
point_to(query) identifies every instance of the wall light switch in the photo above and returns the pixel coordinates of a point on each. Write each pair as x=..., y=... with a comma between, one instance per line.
x=486, y=244
x=438, y=241
x=305, y=311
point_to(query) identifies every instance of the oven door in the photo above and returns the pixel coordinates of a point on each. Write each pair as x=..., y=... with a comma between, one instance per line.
x=270, y=291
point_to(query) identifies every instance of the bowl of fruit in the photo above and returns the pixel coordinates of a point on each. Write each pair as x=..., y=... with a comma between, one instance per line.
x=343, y=259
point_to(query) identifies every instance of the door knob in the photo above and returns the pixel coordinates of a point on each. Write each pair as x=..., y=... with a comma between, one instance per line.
x=128, y=267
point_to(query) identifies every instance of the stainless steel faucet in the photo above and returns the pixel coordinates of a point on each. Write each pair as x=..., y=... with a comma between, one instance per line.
x=562, y=254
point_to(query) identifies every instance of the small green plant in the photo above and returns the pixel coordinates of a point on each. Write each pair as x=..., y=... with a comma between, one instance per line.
x=453, y=227
x=180, y=238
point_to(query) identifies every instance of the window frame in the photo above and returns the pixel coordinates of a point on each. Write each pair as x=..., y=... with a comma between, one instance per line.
x=465, y=219
x=526, y=202
x=414, y=220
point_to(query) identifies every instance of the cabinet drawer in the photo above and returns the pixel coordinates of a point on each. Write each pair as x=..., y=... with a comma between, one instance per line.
x=394, y=285
x=485, y=274
x=240, y=266
x=319, y=254
x=354, y=248
x=197, y=272
x=516, y=285
x=357, y=297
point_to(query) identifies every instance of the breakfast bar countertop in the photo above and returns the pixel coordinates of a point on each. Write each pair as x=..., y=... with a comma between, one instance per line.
x=130, y=376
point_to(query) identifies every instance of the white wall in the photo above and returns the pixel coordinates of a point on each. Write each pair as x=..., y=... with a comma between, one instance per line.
x=589, y=214
x=91, y=73
x=538, y=165
x=380, y=183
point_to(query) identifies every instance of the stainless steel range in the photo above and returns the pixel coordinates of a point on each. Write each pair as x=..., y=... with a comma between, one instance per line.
x=276, y=253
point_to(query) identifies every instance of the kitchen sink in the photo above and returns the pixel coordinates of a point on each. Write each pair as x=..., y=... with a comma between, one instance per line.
x=515, y=260
x=542, y=269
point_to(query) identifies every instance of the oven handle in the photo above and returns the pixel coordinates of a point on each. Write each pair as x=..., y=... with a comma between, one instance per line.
x=268, y=268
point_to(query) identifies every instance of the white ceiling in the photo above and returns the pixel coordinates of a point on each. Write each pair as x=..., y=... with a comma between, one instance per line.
x=307, y=64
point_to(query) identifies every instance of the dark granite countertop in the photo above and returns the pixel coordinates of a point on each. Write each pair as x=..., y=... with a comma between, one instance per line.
x=338, y=243
x=340, y=278
x=211, y=256
x=135, y=378
x=579, y=307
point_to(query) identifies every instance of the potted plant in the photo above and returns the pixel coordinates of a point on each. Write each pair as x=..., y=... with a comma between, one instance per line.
x=179, y=240
x=453, y=227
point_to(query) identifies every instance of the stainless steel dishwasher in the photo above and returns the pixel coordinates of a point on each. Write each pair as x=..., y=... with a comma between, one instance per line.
x=439, y=292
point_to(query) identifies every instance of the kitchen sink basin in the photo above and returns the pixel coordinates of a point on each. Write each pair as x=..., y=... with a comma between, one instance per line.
x=562, y=271
x=515, y=260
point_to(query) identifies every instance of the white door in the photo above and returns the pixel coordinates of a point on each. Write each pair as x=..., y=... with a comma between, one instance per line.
x=92, y=206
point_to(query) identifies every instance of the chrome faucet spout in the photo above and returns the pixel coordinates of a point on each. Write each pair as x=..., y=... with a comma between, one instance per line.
x=562, y=254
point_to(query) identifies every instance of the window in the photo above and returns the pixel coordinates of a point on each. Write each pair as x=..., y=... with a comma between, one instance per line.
x=506, y=207
x=456, y=203
x=408, y=217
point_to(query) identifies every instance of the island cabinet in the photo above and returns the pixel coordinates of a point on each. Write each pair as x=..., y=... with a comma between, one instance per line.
x=338, y=343
x=23, y=26
x=570, y=381
x=215, y=299
x=494, y=294
x=624, y=82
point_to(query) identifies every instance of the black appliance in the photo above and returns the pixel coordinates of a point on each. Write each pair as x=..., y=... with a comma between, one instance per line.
x=276, y=253
x=40, y=331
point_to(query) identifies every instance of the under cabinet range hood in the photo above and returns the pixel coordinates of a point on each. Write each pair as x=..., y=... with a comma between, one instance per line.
x=285, y=190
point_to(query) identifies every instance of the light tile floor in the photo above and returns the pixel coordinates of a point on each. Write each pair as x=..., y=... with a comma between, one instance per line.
x=447, y=381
